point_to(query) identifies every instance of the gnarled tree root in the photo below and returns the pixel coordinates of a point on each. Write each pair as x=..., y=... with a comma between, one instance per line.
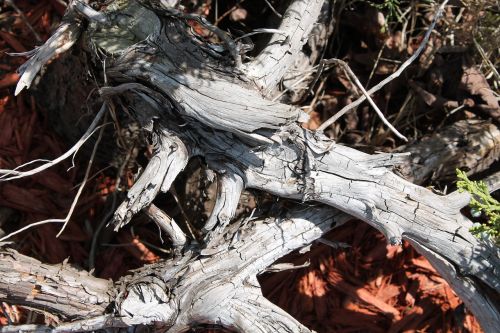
x=195, y=101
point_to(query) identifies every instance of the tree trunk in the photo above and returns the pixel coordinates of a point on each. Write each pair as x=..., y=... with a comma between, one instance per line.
x=196, y=99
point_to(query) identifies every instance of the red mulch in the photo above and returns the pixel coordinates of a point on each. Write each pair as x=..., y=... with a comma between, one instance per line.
x=367, y=287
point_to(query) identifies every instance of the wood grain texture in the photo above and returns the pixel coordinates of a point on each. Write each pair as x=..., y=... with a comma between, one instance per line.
x=193, y=100
x=60, y=290
x=469, y=145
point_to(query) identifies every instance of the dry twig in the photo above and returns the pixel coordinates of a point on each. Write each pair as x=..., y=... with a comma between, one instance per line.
x=65, y=221
x=391, y=77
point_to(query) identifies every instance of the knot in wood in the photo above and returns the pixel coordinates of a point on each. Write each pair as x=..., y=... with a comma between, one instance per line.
x=148, y=301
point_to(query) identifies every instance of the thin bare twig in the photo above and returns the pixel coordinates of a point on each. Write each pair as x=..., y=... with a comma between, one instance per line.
x=96, y=233
x=273, y=9
x=375, y=65
x=29, y=226
x=391, y=77
x=354, y=78
x=486, y=59
x=316, y=95
x=305, y=76
x=183, y=213
x=75, y=200
x=21, y=174
x=24, y=19
x=85, y=178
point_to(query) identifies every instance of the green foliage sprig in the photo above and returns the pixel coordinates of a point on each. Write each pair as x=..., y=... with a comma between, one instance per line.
x=391, y=8
x=481, y=202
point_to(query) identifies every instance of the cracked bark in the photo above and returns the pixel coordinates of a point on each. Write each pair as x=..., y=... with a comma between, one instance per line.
x=59, y=290
x=194, y=100
x=469, y=145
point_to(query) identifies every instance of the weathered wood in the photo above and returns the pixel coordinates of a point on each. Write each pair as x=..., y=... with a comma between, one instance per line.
x=168, y=225
x=269, y=67
x=300, y=77
x=60, y=290
x=303, y=166
x=470, y=145
x=195, y=101
x=175, y=293
x=62, y=40
x=169, y=159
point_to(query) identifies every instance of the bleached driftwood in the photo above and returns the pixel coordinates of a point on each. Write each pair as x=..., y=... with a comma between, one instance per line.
x=196, y=99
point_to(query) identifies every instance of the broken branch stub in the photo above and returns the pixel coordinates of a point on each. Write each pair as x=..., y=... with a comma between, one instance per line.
x=192, y=101
x=169, y=158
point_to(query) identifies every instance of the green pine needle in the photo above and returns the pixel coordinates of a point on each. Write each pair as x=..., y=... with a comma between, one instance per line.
x=481, y=202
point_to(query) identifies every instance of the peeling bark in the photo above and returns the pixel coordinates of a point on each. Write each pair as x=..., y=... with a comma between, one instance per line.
x=193, y=100
x=269, y=67
x=470, y=145
x=60, y=290
x=180, y=292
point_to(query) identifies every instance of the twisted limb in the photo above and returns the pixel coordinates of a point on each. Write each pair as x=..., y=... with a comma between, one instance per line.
x=193, y=102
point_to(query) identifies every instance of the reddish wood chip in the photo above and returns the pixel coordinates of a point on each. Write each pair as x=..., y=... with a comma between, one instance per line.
x=137, y=248
x=13, y=42
x=9, y=80
x=336, y=280
x=23, y=199
x=54, y=181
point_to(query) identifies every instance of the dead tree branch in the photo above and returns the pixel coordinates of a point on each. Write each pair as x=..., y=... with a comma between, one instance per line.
x=174, y=293
x=277, y=58
x=192, y=101
x=60, y=290
x=439, y=155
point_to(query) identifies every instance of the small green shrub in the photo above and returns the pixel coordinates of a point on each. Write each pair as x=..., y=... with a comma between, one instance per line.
x=481, y=202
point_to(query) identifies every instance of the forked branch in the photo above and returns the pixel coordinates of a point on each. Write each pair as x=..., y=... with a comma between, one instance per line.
x=192, y=101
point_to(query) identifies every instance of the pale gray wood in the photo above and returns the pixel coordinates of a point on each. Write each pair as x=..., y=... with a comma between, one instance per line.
x=194, y=101
x=167, y=224
x=269, y=67
x=169, y=159
x=180, y=292
x=229, y=188
x=300, y=77
x=59, y=290
x=256, y=314
x=493, y=182
x=470, y=145
x=213, y=287
x=61, y=40
x=301, y=165
x=362, y=186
